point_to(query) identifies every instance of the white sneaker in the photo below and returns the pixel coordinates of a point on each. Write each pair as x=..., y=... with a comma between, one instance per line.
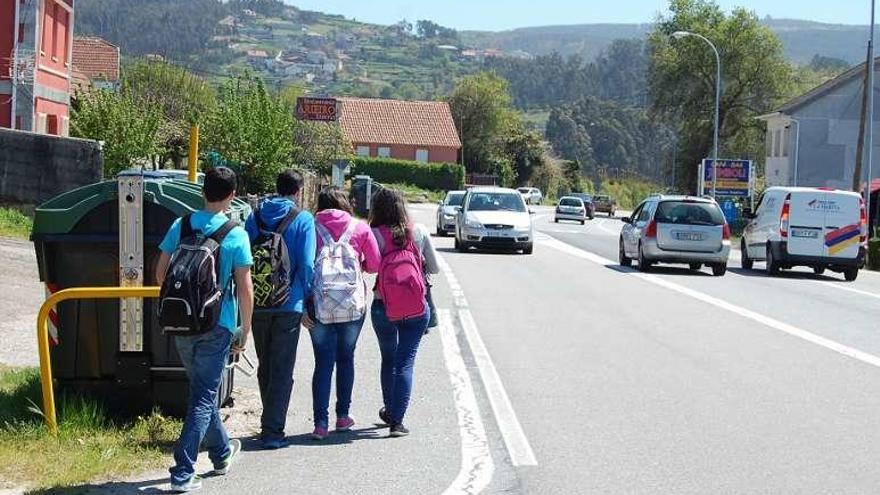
x=193, y=483
x=234, y=448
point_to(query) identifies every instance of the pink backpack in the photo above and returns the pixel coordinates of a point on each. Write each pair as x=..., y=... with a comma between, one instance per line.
x=401, y=282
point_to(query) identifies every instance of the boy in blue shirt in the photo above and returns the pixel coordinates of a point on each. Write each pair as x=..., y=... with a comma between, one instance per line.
x=276, y=330
x=204, y=356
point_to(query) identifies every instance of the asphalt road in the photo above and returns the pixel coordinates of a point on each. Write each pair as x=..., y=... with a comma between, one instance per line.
x=562, y=372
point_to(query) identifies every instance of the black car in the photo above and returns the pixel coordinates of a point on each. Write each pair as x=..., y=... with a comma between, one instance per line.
x=588, y=203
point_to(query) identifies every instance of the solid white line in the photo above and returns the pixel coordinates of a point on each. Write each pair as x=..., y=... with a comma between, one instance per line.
x=745, y=313
x=837, y=285
x=515, y=440
x=518, y=446
x=476, y=457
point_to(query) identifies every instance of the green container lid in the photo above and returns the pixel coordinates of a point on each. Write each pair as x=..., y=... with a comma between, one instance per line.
x=61, y=214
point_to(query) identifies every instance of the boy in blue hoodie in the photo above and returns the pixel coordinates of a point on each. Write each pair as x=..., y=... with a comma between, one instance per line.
x=276, y=330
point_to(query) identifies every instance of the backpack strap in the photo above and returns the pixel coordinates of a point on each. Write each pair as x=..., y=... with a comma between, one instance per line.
x=186, y=230
x=287, y=220
x=326, y=238
x=221, y=233
x=349, y=231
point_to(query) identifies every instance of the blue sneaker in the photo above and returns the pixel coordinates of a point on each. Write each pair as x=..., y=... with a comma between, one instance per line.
x=222, y=468
x=193, y=483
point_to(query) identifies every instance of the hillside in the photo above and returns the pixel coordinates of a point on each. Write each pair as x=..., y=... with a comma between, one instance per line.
x=802, y=39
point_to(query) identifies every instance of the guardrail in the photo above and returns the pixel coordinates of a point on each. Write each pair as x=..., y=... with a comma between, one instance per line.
x=43, y=334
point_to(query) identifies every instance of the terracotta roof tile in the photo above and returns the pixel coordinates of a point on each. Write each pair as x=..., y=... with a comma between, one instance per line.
x=416, y=123
x=96, y=57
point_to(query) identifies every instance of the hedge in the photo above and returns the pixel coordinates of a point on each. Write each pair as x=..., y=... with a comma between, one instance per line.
x=434, y=176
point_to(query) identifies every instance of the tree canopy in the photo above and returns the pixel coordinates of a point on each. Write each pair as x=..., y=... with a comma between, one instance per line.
x=755, y=76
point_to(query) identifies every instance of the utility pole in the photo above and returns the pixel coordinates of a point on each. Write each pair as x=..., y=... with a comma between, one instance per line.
x=870, y=145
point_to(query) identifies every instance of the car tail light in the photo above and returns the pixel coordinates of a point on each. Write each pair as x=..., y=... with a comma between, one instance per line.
x=863, y=222
x=784, y=217
x=651, y=229
x=725, y=232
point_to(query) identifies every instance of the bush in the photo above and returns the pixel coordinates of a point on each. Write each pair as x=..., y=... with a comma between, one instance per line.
x=434, y=176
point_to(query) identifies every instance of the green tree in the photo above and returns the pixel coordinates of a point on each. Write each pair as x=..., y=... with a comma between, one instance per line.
x=755, y=75
x=128, y=130
x=253, y=129
x=483, y=114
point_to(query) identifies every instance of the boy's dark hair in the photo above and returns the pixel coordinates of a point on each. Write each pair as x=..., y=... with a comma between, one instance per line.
x=288, y=182
x=332, y=198
x=220, y=182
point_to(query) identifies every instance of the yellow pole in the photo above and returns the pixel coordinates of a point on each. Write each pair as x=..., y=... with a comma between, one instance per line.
x=193, y=159
x=43, y=334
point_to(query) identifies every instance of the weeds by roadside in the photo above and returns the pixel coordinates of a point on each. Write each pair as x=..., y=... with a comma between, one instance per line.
x=14, y=223
x=414, y=194
x=89, y=445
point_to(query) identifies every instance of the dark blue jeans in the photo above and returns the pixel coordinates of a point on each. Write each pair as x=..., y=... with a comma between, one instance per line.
x=204, y=357
x=398, y=344
x=334, y=345
x=276, y=335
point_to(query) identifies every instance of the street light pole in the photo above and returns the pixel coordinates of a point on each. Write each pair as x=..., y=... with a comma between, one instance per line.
x=870, y=143
x=797, y=148
x=683, y=34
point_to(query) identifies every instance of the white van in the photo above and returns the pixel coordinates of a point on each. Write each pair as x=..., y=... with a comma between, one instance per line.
x=806, y=226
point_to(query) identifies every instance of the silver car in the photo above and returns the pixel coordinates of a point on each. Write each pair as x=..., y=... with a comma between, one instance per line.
x=676, y=229
x=531, y=195
x=446, y=212
x=494, y=218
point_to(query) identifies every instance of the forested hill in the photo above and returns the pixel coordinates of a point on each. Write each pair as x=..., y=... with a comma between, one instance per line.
x=802, y=39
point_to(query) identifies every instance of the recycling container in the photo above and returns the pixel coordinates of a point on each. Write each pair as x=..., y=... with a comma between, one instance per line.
x=108, y=234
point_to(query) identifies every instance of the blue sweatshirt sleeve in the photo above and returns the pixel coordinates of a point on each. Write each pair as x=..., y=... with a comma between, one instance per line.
x=250, y=225
x=305, y=253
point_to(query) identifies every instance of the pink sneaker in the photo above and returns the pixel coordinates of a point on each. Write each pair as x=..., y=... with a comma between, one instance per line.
x=344, y=424
x=320, y=433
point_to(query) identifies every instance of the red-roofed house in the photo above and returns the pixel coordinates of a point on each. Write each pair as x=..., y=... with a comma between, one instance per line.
x=97, y=59
x=407, y=130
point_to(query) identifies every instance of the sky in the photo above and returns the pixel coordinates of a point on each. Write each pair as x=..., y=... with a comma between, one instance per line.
x=496, y=15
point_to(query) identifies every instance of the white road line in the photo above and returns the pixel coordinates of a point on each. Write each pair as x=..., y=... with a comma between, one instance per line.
x=515, y=440
x=837, y=286
x=476, y=457
x=746, y=313
x=603, y=227
x=518, y=446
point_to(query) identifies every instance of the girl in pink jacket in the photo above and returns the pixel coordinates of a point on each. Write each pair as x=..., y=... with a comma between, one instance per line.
x=334, y=343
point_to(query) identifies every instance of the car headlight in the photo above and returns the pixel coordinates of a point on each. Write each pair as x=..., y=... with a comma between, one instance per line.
x=473, y=224
x=447, y=216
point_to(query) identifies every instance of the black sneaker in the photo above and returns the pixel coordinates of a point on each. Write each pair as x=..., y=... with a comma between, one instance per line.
x=383, y=416
x=398, y=430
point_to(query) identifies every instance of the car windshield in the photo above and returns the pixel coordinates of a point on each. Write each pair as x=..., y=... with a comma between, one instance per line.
x=689, y=213
x=524, y=190
x=493, y=201
x=569, y=202
x=584, y=197
x=601, y=198
x=454, y=199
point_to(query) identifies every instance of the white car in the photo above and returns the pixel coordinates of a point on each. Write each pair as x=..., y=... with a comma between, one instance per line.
x=531, y=195
x=446, y=212
x=806, y=226
x=571, y=208
x=494, y=218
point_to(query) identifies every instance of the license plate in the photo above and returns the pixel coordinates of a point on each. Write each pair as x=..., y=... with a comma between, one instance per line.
x=805, y=233
x=500, y=233
x=689, y=236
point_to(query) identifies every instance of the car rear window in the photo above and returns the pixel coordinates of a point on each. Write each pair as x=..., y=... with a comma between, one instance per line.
x=601, y=198
x=689, y=213
x=569, y=202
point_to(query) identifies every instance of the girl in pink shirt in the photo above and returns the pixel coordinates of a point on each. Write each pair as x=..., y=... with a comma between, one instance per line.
x=334, y=343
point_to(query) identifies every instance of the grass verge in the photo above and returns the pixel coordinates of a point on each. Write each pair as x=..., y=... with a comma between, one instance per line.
x=14, y=223
x=89, y=446
x=414, y=194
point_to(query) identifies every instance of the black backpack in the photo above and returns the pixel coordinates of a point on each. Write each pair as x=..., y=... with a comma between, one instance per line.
x=272, y=268
x=191, y=297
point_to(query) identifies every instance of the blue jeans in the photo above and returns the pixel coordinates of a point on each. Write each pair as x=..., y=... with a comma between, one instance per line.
x=204, y=357
x=276, y=335
x=334, y=344
x=398, y=344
